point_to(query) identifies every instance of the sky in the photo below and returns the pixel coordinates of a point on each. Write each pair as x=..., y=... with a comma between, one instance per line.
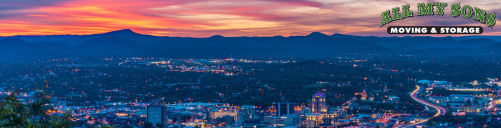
x=230, y=18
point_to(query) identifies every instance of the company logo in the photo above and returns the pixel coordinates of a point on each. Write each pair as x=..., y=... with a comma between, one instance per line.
x=427, y=9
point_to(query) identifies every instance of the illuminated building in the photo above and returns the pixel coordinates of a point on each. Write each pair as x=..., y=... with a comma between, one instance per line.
x=157, y=114
x=121, y=114
x=220, y=113
x=248, y=111
x=318, y=103
x=312, y=120
x=297, y=109
x=458, y=113
x=330, y=118
x=271, y=111
x=364, y=95
x=91, y=122
x=102, y=120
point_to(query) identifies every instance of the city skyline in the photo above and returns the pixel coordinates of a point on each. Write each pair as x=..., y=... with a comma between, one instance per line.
x=204, y=18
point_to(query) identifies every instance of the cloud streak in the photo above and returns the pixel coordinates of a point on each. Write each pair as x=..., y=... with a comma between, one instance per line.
x=204, y=18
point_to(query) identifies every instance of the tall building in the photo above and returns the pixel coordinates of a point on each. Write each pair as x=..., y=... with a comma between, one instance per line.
x=228, y=120
x=239, y=117
x=285, y=108
x=157, y=114
x=248, y=111
x=239, y=120
x=318, y=103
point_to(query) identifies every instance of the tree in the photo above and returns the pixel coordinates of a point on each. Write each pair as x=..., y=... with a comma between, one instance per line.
x=159, y=125
x=88, y=126
x=185, y=117
x=196, y=126
x=148, y=125
x=174, y=119
x=80, y=122
x=106, y=126
x=127, y=126
x=35, y=114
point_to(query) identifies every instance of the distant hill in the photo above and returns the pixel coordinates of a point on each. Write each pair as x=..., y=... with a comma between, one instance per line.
x=125, y=34
x=496, y=38
x=316, y=44
x=494, y=49
x=402, y=48
x=443, y=52
x=15, y=47
x=426, y=42
x=109, y=46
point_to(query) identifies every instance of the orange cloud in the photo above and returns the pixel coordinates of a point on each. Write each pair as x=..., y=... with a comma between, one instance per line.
x=203, y=18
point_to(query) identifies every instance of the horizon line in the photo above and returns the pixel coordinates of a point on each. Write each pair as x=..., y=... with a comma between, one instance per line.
x=406, y=35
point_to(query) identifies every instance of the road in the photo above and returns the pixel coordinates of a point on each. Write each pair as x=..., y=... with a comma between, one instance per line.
x=388, y=117
x=440, y=110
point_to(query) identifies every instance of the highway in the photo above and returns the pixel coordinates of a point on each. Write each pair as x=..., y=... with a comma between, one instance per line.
x=389, y=116
x=440, y=110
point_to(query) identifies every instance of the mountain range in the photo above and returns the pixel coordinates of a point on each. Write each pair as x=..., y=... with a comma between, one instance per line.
x=128, y=43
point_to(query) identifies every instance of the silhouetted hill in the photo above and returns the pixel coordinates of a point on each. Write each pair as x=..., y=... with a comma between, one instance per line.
x=345, y=36
x=495, y=38
x=12, y=46
x=475, y=43
x=402, y=48
x=109, y=46
x=301, y=42
x=317, y=34
x=42, y=38
x=425, y=42
x=443, y=52
x=49, y=47
x=125, y=34
x=15, y=47
x=494, y=49
x=126, y=42
x=437, y=42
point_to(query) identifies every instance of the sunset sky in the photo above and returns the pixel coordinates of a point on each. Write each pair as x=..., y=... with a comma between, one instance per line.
x=204, y=18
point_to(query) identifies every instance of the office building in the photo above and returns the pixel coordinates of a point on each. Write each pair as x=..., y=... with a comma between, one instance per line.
x=157, y=114
x=318, y=103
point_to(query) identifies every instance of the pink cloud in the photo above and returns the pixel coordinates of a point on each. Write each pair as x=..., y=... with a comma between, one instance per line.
x=203, y=18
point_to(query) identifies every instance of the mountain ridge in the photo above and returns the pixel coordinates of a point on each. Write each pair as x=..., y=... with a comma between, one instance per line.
x=127, y=42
